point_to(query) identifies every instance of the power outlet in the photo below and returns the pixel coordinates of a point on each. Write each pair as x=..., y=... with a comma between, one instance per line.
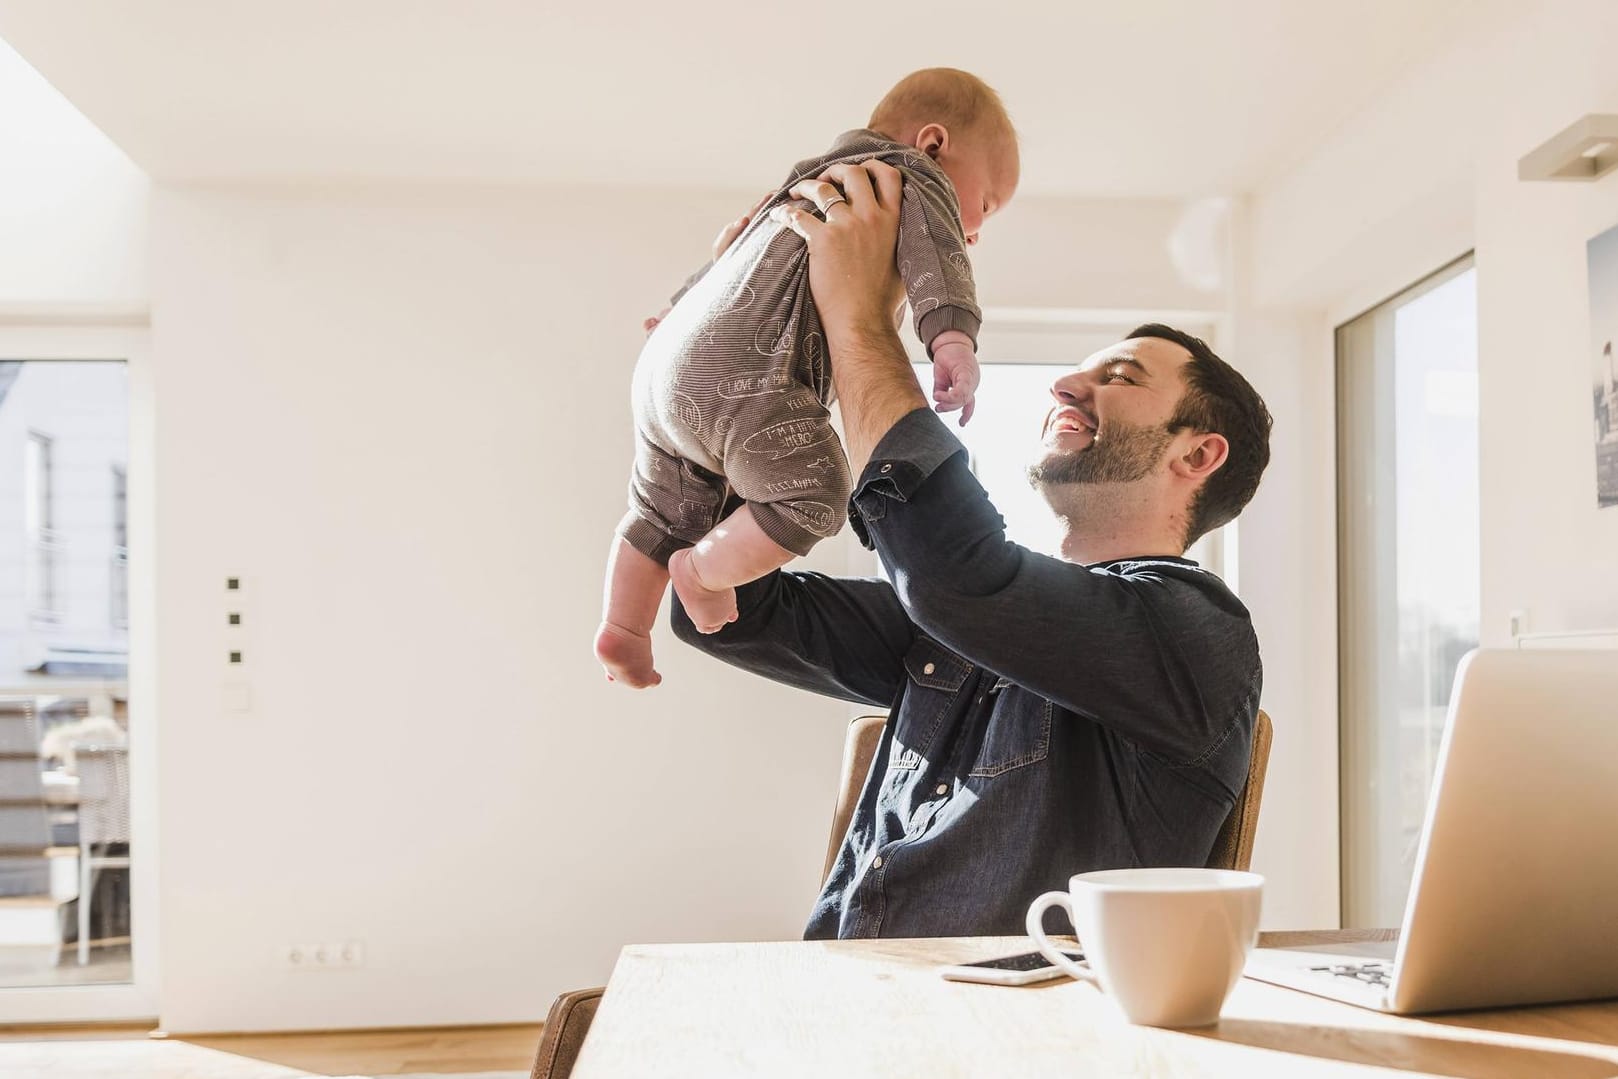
x=339, y=955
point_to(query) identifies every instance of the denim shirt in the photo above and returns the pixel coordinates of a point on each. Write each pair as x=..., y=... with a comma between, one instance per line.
x=1045, y=718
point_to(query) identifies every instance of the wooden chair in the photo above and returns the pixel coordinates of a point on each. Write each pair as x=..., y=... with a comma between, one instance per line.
x=103, y=822
x=1233, y=846
x=569, y=1018
x=563, y=1036
x=864, y=734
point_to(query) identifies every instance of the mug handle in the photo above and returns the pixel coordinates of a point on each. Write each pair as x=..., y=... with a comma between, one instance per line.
x=1035, y=924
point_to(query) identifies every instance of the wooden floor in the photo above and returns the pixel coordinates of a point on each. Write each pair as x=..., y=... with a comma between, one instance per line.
x=122, y=1053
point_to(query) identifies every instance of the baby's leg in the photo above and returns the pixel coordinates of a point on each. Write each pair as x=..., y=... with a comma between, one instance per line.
x=705, y=576
x=792, y=473
x=672, y=504
x=635, y=585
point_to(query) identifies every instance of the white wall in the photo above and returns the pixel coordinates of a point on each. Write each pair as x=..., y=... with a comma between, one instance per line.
x=403, y=418
x=1547, y=548
x=1117, y=254
x=1288, y=582
x=1424, y=173
x=1336, y=235
x=72, y=206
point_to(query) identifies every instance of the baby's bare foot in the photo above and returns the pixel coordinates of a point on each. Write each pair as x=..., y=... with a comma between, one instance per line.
x=710, y=609
x=627, y=656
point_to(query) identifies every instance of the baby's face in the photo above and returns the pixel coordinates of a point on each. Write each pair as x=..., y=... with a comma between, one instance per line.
x=984, y=172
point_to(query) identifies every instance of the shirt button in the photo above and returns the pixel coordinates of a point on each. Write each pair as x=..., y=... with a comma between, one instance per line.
x=943, y=788
x=928, y=669
x=876, y=863
x=885, y=468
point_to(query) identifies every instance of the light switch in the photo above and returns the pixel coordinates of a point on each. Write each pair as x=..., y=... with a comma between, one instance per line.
x=237, y=697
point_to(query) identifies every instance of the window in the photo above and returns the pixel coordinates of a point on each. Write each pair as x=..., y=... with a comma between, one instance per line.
x=1408, y=569
x=39, y=520
x=64, y=647
x=1002, y=439
x=118, y=569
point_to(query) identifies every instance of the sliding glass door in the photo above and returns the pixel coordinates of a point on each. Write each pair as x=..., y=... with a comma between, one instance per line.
x=76, y=878
x=1408, y=577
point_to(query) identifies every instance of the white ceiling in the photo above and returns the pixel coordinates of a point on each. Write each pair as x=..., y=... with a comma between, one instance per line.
x=1143, y=98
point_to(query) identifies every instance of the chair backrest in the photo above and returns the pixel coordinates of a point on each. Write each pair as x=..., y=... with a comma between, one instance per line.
x=563, y=1037
x=864, y=734
x=1233, y=847
x=103, y=793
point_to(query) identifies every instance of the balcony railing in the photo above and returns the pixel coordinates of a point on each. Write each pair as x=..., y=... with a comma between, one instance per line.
x=119, y=587
x=44, y=547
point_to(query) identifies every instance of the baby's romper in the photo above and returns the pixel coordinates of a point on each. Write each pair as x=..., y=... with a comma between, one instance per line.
x=732, y=388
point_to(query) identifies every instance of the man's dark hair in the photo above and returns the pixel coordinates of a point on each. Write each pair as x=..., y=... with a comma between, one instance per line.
x=1218, y=400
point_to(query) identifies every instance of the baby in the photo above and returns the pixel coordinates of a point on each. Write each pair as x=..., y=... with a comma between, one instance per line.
x=732, y=387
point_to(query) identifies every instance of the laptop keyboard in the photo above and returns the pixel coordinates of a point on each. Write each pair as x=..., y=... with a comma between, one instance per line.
x=1370, y=973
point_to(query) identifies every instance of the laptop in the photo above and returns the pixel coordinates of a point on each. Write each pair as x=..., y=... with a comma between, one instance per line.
x=1515, y=895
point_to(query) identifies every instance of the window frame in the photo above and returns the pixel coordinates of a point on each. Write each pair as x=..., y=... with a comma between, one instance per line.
x=116, y=334
x=1366, y=680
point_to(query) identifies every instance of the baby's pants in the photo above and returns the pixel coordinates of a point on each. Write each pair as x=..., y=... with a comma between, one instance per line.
x=735, y=380
x=791, y=469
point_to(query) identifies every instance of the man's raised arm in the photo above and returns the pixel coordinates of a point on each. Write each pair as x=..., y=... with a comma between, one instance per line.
x=857, y=288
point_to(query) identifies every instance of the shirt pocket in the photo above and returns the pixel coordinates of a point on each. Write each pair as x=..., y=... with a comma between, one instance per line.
x=934, y=676
x=1019, y=734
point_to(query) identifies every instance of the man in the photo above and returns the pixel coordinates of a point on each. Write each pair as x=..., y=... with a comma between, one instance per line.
x=1048, y=715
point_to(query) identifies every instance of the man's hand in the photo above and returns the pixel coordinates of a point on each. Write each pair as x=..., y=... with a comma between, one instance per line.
x=955, y=374
x=852, y=252
x=856, y=288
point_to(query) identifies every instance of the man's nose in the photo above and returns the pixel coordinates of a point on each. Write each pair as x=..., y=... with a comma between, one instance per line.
x=1071, y=389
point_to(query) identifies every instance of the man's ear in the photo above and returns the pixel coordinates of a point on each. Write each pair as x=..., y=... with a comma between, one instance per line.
x=933, y=140
x=1205, y=456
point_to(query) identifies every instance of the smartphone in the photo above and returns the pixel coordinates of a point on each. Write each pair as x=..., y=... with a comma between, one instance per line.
x=1024, y=969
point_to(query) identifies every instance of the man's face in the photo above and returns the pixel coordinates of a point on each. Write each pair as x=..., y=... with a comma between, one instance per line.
x=1109, y=423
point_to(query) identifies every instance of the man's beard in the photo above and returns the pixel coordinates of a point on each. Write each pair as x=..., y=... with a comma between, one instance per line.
x=1127, y=453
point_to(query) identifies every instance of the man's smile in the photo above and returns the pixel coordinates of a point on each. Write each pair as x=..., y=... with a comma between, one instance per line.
x=1069, y=421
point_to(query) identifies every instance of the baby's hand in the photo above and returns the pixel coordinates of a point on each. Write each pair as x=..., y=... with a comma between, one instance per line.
x=651, y=324
x=955, y=377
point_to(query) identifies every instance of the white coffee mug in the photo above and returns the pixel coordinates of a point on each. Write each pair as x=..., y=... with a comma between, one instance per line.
x=1166, y=944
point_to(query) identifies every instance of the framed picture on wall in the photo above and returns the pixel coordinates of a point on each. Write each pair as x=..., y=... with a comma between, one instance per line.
x=1603, y=252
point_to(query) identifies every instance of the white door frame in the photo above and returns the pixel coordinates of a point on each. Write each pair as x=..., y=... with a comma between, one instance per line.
x=103, y=333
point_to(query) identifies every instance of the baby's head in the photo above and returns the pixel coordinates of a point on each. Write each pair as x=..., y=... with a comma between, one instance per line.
x=957, y=120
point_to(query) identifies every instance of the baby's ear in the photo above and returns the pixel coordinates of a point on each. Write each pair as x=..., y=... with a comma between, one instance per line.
x=932, y=140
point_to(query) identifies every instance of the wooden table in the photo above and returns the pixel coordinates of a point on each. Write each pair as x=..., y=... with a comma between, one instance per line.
x=878, y=1008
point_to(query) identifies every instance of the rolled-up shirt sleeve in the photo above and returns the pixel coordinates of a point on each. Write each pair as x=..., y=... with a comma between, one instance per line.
x=842, y=637
x=906, y=457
